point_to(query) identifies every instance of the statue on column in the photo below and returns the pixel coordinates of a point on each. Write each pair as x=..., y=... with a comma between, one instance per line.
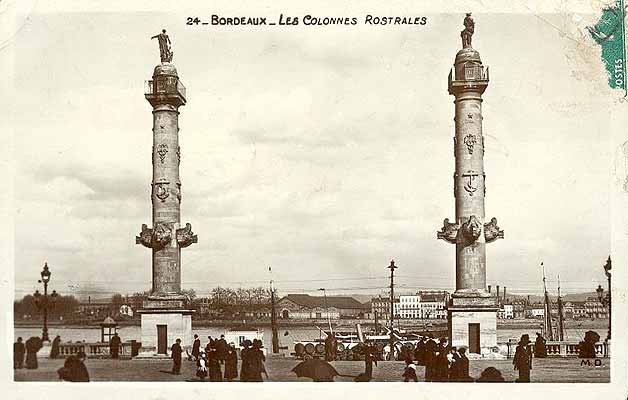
x=165, y=52
x=467, y=32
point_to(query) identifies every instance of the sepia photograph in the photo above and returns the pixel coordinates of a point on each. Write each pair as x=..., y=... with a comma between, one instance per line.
x=231, y=194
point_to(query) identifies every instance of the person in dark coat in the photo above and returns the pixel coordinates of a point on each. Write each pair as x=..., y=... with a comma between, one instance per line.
x=329, y=347
x=370, y=358
x=74, y=369
x=196, y=347
x=462, y=366
x=33, y=345
x=539, y=346
x=523, y=359
x=175, y=354
x=245, y=358
x=490, y=374
x=114, y=345
x=441, y=363
x=430, y=358
x=18, y=354
x=54, y=349
x=256, y=360
x=222, y=347
x=201, y=366
x=419, y=352
x=213, y=366
x=231, y=363
x=409, y=373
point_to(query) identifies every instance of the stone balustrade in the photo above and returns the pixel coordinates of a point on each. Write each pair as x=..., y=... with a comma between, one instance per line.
x=563, y=349
x=96, y=350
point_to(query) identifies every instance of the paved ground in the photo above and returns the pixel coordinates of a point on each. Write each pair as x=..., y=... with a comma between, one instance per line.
x=544, y=370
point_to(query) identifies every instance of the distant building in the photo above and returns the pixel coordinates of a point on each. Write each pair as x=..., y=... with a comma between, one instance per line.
x=506, y=311
x=410, y=306
x=536, y=310
x=594, y=308
x=433, y=304
x=518, y=308
x=381, y=306
x=96, y=309
x=304, y=306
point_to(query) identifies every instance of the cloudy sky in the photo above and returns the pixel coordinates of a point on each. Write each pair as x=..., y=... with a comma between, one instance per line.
x=322, y=152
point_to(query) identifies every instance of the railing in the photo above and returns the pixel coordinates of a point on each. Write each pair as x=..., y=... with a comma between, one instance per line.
x=97, y=350
x=564, y=349
x=165, y=85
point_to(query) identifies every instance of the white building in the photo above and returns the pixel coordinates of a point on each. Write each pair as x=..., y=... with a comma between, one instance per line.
x=410, y=306
x=506, y=311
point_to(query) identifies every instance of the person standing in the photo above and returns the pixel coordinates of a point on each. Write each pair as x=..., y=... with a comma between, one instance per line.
x=328, y=347
x=441, y=363
x=196, y=347
x=175, y=354
x=539, y=346
x=369, y=360
x=231, y=363
x=114, y=345
x=245, y=358
x=523, y=359
x=462, y=366
x=221, y=347
x=419, y=352
x=18, y=354
x=54, y=349
x=430, y=358
x=33, y=345
x=201, y=365
x=213, y=366
x=256, y=360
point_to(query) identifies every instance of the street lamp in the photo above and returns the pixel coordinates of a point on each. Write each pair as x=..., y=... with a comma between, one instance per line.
x=326, y=309
x=45, y=302
x=607, y=298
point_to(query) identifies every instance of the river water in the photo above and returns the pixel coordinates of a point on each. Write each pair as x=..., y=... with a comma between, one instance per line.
x=287, y=335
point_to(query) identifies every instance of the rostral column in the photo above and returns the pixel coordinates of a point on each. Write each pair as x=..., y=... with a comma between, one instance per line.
x=471, y=311
x=166, y=304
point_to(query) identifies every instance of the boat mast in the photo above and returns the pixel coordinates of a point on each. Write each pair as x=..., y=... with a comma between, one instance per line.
x=561, y=327
x=547, y=326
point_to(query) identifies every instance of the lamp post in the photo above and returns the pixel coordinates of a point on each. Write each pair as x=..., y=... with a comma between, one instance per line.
x=392, y=267
x=45, y=302
x=326, y=309
x=605, y=300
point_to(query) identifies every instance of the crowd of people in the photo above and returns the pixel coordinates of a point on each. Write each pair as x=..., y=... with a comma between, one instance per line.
x=219, y=354
x=218, y=360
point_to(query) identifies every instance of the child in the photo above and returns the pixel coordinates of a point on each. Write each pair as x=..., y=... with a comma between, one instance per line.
x=201, y=366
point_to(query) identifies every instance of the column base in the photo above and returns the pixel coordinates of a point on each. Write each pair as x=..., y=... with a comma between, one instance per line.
x=161, y=327
x=472, y=323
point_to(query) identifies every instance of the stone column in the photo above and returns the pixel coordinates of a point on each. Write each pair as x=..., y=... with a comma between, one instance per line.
x=165, y=315
x=472, y=312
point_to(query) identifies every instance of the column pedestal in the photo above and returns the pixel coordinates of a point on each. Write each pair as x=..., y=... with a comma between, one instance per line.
x=472, y=323
x=163, y=322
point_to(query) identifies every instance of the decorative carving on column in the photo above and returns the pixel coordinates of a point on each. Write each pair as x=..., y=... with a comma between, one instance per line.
x=178, y=155
x=161, y=190
x=146, y=237
x=470, y=184
x=162, y=150
x=162, y=235
x=492, y=231
x=472, y=228
x=470, y=141
x=178, y=189
x=449, y=231
x=185, y=236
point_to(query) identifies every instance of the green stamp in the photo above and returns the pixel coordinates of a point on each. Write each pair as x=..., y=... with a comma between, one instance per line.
x=610, y=34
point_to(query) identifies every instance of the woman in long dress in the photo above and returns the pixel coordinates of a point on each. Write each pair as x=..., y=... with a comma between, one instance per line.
x=231, y=363
x=33, y=345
